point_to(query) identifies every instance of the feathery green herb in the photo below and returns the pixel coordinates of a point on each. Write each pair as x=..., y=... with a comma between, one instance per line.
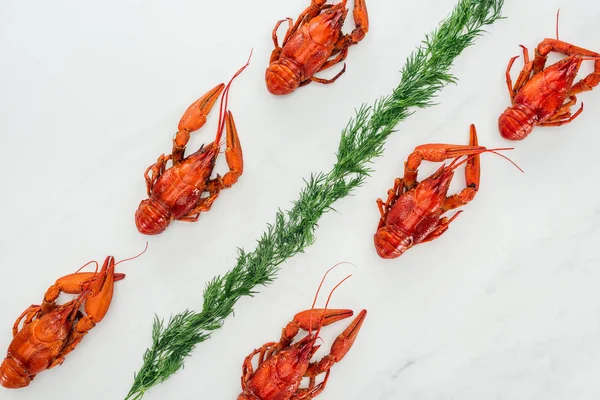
x=425, y=72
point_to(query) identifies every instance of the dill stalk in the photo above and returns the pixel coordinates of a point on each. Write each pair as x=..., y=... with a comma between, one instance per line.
x=425, y=72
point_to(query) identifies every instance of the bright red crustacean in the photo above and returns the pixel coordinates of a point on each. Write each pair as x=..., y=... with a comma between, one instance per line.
x=282, y=365
x=413, y=211
x=175, y=193
x=310, y=42
x=543, y=96
x=52, y=331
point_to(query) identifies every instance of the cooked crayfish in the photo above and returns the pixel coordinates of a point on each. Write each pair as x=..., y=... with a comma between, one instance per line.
x=413, y=210
x=282, y=365
x=174, y=193
x=310, y=42
x=51, y=331
x=539, y=96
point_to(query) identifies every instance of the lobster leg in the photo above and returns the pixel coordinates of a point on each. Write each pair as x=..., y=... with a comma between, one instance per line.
x=508, y=78
x=328, y=81
x=339, y=58
x=562, y=119
x=313, y=390
x=549, y=45
x=343, y=53
x=340, y=347
x=192, y=120
x=277, y=51
x=29, y=314
x=437, y=153
x=204, y=205
x=157, y=170
x=69, y=347
x=393, y=195
x=472, y=178
x=361, y=21
x=566, y=107
x=307, y=320
x=442, y=227
x=563, y=114
x=587, y=83
x=523, y=76
x=247, y=368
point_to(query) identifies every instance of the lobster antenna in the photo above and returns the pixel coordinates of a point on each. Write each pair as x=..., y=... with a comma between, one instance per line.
x=495, y=151
x=557, y=15
x=319, y=289
x=134, y=257
x=329, y=298
x=86, y=264
x=323, y=280
x=225, y=95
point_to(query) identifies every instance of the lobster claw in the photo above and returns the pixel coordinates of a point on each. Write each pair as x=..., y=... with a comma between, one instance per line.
x=193, y=119
x=345, y=340
x=310, y=319
x=317, y=316
x=101, y=291
x=340, y=347
x=195, y=115
x=100, y=285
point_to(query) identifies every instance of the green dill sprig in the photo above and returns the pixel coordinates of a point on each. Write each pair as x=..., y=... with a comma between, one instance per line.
x=425, y=72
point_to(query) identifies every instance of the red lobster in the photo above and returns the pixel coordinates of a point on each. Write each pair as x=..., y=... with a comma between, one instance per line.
x=413, y=210
x=175, y=193
x=539, y=97
x=52, y=331
x=282, y=365
x=310, y=42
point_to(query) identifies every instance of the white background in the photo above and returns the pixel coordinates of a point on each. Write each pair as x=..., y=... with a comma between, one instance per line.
x=504, y=306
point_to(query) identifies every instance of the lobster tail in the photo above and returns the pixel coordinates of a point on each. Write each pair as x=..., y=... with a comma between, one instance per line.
x=391, y=244
x=13, y=375
x=516, y=122
x=282, y=78
x=151, y=217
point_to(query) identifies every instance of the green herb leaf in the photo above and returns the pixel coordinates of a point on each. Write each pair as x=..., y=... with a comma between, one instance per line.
x=425, y=72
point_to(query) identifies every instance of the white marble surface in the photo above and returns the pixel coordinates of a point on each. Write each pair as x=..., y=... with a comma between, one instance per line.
x=504, y=306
